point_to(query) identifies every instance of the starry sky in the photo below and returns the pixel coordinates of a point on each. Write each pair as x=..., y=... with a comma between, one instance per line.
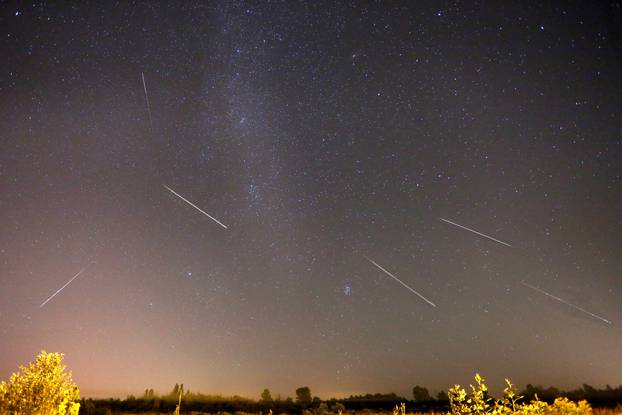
x=319, y=133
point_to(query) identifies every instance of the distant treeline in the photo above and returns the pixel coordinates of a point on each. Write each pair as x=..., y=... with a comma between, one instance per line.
x=421, y=401
x=599, y=398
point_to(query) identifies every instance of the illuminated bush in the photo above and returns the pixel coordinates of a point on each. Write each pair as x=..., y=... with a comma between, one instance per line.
x=479, y=403
x=41, y=388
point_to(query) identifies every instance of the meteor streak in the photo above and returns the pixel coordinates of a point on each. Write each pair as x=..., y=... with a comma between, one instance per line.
x=147, y=99
x=565, y=302
x=400, y=281
x=475, y=232
x=195, y=206
x=66, y=284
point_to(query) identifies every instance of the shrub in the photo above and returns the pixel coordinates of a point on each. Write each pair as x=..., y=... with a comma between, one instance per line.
x=479, y=403
x=41, y=388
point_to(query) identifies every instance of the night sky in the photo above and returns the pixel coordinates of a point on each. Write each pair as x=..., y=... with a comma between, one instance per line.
x=319, y=133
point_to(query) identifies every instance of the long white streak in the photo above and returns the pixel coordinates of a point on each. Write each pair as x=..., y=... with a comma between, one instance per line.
x=475, y=232
x=400, y=281
x=561, y=300
x=195, y=206
x=61, y=288
x=147, y=99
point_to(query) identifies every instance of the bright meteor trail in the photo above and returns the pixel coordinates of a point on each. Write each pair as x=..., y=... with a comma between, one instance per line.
x=195, y=206
x=147, y=99
x=400, y=281
x=61, y=288
x=565, y=302
x=475, y=232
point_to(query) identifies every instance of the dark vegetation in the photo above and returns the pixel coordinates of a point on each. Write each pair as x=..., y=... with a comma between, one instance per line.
x=421, y=401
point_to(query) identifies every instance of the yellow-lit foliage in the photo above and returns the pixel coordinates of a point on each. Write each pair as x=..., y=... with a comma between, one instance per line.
x=478, y=403
x=41, y=388
x=398, y=410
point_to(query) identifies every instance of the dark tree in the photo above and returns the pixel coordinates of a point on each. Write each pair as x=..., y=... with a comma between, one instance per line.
x=175, y=391
x=442, y=396
x=303, y=395
x=266, y=396
x=421, y=394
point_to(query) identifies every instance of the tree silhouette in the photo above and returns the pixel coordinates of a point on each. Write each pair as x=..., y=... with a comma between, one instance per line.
x=266, y=396
x=421, y=394
x=175, y=392
x=303, y=395
x=41, y=388
x=442, y=396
